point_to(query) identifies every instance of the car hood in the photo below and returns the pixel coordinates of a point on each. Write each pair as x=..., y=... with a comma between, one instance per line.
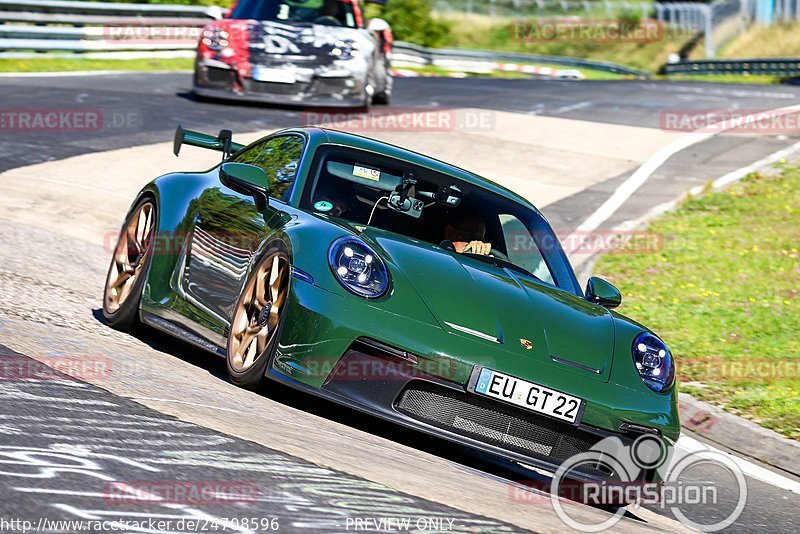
x=501, y=306
x=303, y=44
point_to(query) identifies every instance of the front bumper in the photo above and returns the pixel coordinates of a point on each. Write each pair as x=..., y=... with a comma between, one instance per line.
x=319, y=90
x=410, y=377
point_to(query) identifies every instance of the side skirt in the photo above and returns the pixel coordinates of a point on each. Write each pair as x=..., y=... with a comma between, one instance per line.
x=169, y=327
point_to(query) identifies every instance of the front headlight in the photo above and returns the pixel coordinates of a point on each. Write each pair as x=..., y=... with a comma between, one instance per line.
x=358, y=268
x=216, y=38
x=653, y=361
x=345, y=49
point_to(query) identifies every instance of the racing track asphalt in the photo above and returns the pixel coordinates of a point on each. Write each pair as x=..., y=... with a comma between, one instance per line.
x=57, y=289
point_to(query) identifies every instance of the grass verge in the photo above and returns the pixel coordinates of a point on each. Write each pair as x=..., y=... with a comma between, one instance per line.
x=724, y=293
x=480, y=32
x=69, y=64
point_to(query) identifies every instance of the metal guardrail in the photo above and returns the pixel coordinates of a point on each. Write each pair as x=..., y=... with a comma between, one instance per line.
x=98, y=25
x=31, y=28
x=755, y=66
x=441, y=56
x=61, y=7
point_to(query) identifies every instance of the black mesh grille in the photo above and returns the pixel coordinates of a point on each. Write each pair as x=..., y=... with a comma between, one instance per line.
x=487, y=421
x=219, y=78
x=273, y=88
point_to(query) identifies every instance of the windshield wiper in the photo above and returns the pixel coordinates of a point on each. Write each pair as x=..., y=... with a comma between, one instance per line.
x=503, y=264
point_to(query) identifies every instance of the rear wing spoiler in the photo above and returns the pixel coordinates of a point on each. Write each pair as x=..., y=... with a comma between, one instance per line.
x=221, y=142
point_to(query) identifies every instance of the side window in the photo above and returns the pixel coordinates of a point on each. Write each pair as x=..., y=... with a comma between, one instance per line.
x=522, y=248
x=279, y=157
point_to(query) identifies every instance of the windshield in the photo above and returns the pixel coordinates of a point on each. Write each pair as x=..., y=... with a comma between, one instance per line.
x=325, y=12
x=366, y=189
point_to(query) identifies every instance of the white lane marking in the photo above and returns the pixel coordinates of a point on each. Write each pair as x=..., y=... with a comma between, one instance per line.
x=637, y=179
x=720, y=91
x=572, y=107
x=744, y=171
x=720, y=182
x=689, y=445
x=62, y=492
x=536, y=109
x=640, y=176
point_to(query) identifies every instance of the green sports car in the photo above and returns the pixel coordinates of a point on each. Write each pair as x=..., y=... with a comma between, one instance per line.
x=395, y=284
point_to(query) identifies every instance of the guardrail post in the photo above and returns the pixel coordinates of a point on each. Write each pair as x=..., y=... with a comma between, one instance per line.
x=709, y=48
x=491, y=9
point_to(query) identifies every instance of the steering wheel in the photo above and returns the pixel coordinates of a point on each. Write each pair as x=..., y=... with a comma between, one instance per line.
x=327, y=20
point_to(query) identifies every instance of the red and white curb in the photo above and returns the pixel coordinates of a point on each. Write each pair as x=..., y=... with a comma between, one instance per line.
x=502, y=67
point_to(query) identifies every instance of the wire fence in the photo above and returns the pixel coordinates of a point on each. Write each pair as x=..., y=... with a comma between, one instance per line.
x=719, y=21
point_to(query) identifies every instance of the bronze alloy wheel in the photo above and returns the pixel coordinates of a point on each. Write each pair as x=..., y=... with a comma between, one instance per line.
x=128, y=266
x=255, y=324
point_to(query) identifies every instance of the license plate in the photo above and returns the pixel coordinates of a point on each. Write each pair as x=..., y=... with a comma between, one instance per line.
x=264, y=74
x=533, y=397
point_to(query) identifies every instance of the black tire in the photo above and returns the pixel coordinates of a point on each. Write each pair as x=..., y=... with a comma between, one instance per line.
x=133, y=255
x=381, y=99
x=247, y=370
x=383, y=96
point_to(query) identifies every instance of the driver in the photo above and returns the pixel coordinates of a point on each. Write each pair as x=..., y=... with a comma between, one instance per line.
x=316, y=11
x=330, y=8
x=466, y=231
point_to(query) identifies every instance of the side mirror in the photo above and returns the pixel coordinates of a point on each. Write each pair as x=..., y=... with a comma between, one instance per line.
x=601, y=292
x=248, y=180
x=377, y=25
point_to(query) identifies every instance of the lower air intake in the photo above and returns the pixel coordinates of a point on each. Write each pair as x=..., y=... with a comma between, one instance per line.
x=486, y=421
